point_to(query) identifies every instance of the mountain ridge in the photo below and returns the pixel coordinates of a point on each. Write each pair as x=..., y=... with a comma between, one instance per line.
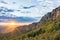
x=46, y=29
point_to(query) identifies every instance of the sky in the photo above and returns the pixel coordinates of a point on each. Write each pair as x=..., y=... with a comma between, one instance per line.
x=27, y=10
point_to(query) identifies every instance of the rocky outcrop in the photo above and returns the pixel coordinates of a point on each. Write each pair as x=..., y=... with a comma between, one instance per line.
x=50, y=16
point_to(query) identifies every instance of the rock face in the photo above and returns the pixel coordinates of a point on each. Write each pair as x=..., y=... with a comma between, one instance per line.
x=50, y=16
x=56, y=12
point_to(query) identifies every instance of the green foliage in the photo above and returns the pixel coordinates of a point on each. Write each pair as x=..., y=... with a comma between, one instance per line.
x=48, y=31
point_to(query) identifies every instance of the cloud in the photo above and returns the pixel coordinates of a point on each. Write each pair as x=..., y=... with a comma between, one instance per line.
x=20, y=19
x=14, y=2
x=10, y=10
x=18, y=10
x=28, y=7
x=4, y=9
x=26, y=19
x=25, y=12
x=6, y=12
x=3, y=2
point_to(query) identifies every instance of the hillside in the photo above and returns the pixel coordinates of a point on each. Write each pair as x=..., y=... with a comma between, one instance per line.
x=48, y=28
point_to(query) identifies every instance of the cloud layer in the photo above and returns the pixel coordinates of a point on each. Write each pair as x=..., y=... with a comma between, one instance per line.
x=27, y=8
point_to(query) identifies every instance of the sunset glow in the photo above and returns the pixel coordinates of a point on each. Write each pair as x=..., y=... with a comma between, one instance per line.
x=10, y=25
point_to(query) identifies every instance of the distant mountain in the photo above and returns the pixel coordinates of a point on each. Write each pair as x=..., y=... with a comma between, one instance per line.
x=48, y=28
